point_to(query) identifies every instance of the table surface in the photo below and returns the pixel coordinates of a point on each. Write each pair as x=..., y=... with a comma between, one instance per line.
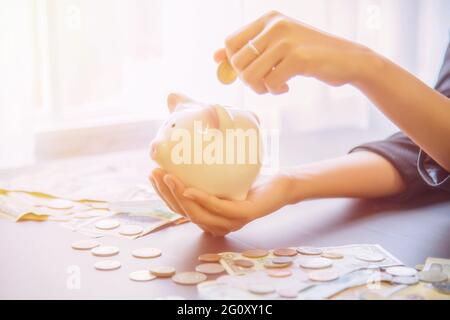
x=38, y=263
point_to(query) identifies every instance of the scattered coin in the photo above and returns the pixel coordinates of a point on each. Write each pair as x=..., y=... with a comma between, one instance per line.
x=289, y=293
x=315, y=263
x=432, y=276
x=282, y=260
x=279, y=273
x=332, y=255
x=269, y=264
x=408, y=281
x=85, y=244
x=243, y=263
x=210, y=268
x=261, y=288
x=323, y=275
x=401, y=271
x=105, y=251
x=59, y=204
x=130, y=230
x=107, y=224
x=370, y=257
x=285, y=252
x=419, y=267
x=209, y=257
x=226, y=73
x=442, y=287
x=162, y=271
x=255, y=253
x=107, y=265
x=146, y=253
x=141, y=276
x=189, y=278
x=310, y=251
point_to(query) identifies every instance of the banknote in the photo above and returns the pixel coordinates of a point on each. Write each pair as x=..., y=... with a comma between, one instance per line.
x=438, y=263
x=348, y=263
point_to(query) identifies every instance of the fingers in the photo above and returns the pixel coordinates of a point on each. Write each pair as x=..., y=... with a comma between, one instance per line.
x=174, y=99
x=220, y=55
x=163, y=191
x=194, y=211
x=240, y=38
x=276, y=80
x=224, y=208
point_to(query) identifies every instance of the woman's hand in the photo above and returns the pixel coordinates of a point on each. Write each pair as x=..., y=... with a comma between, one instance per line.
x=287, y=48
x=217, y=216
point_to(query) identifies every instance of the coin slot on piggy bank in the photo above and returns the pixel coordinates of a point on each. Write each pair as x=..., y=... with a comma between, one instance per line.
x=213, y=148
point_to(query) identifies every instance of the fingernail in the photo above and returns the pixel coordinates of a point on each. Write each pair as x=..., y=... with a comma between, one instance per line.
x=188, y=195
x=169, y=183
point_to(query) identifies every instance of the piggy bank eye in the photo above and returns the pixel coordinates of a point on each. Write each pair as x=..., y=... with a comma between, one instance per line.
x=173, y=125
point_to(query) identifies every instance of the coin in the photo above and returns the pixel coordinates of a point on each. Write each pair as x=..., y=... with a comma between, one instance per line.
x=279, y=273
x=442, y=287
x=323, y=275
x=105, y=251
x=419, y=267
x=85, y=244
x=146, y=253
x=255, y=253
x=269, y=264
x=163, y=271
x=189, y=278
x=107, y=265
x=312, y=251
x=409, y=281
x=107, y=224
x=141, y=276
x=209, y=257
x=130, y=230
x=332, y=255
x=225, y=72
x=401, y=271
x=315, y=263
x=59, y=204
x=289, y=293
x=432, y=276
x=243, y=263
x=261, y=288
x=285, y=252
x=370, y=257
x=282, y=260
x=210, y=268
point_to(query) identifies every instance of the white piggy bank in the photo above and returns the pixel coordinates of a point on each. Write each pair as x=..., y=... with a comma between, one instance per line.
x=210, y=147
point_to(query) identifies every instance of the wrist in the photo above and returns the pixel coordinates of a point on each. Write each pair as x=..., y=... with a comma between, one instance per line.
x=299, y=186
x=368, y=66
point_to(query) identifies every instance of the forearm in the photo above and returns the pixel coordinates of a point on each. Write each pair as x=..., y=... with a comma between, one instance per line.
x=421, y=112
x=357, y=175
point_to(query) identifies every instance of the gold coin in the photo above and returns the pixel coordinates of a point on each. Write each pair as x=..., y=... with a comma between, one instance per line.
x=243, y=263
x=285, y=252
x=270, y=264
x=255, y=253
x=189, y=278
x=332, y=255
x=209, y=257
x=226, y=73
x=162, y=271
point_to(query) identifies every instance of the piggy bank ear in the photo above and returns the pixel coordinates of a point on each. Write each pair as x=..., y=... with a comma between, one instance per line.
x=174, y=99
x=256, y=117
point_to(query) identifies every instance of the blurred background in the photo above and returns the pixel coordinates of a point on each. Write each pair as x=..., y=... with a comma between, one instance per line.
x=80, y=77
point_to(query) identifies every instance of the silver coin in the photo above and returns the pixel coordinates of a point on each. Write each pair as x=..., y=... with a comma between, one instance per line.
x=107, y=224
x=370, y=257
x=261, y=288
x=409, y=281
x=105, y=251
x=332, y=255
x=432, y=276
x=309, y=251
x=146, y=253
x=282, y=260
x=401, y=271
x=323, y=275
x=85, y=244
x=315, y=263
x=442, y=287
x=288, y=293
x=141, y=276
x=130, y=230
x=107, y=265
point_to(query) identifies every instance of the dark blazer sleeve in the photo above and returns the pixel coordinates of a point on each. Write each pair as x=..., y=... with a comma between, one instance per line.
x=421, y=174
